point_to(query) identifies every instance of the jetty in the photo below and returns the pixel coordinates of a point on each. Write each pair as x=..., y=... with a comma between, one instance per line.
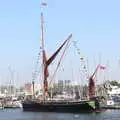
x=112, y=107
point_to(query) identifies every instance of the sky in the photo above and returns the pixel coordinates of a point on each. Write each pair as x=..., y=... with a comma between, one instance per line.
x=95, y=25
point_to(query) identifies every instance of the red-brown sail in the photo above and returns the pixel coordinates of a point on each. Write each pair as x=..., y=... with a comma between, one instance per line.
x=45, y=72
x=92, y=84
x=55, y=54
x=49, y=61
x=91, y=87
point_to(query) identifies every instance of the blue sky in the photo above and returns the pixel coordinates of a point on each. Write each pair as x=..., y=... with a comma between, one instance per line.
x=95, y=26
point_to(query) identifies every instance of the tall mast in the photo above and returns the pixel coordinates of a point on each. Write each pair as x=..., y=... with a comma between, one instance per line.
x=43, y=49
x=42, y=31
x=45, y=62
x=42, y=45
x=11, y=81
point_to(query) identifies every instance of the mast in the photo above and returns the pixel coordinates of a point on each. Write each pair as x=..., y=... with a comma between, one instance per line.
x=42, y=31
x=46, y=62
x=11, y=82
x=44, y=59
x=42, y=46
x=33, y=85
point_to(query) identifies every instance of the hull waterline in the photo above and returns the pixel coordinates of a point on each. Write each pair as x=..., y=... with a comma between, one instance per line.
x=66, y=107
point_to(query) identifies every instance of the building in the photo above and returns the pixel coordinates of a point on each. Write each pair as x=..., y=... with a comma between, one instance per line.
x=28, y=88
x=114, y=90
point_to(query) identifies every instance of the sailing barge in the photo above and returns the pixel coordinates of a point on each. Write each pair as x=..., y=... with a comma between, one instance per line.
x=66, y=106
x=59, y=106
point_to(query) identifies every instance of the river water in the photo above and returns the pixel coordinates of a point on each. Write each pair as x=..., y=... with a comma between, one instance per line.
x=17, y=114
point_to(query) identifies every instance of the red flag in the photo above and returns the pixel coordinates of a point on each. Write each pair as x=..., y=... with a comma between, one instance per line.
x=102, y=67
x=44, y=4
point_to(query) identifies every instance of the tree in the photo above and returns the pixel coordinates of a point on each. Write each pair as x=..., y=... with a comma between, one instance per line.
x=114, y=83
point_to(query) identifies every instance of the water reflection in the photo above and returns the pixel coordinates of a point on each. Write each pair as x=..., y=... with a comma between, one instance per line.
x=18, y=114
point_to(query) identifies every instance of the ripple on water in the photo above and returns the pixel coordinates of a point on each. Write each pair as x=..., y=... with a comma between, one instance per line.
x=17, y=114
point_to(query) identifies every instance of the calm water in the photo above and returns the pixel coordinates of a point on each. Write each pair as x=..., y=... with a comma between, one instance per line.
x=20, y=115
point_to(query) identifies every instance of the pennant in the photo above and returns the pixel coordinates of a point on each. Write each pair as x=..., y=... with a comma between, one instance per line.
x=81, y=58
x=102, y=67
x=78, y=51
x=44, y=4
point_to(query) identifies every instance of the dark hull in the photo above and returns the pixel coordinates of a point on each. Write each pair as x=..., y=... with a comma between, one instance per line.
x=65, y=107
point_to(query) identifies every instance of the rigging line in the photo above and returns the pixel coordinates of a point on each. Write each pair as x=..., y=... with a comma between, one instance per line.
x=83, y=71
x=67, y=45
x=37, y=70
x=37, y=73
x=82, y=60
x=34, y=74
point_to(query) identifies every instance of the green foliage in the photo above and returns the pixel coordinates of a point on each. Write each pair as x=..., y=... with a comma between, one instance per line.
x=115, y=83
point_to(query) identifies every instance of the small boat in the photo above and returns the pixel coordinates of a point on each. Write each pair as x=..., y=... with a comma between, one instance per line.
x=110, y=103
x=13, y=104
x=1, y=105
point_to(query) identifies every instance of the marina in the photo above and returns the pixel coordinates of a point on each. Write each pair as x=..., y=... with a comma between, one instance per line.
x=59, y=60
x=94, y=98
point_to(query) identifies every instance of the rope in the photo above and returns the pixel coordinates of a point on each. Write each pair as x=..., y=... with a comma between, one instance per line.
x=36, y=73
x=59, y=62
x=82, y=59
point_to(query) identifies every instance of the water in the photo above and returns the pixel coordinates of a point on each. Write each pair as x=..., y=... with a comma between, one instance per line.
x=17, y=114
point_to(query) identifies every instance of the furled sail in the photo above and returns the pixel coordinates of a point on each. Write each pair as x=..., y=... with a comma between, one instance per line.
x=91, y=87
x=92, y=84
x=45, y=72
